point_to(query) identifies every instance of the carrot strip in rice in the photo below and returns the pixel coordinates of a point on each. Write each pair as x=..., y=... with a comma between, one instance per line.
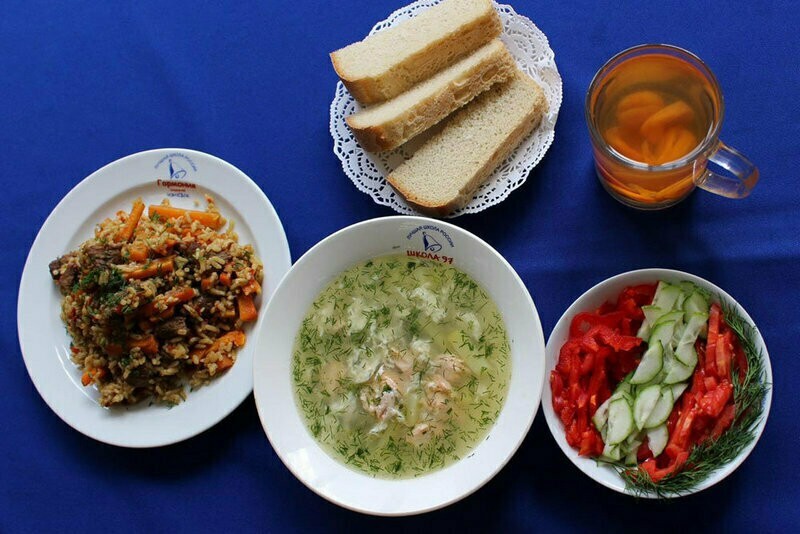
x=126, y=232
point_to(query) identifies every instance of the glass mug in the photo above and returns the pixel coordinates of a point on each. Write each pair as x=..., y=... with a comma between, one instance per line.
x=654, y=113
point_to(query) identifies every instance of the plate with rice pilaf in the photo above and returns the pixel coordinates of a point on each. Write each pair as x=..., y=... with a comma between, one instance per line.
x=141, y=295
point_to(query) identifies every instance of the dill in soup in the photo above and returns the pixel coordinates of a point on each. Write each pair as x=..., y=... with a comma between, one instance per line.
x=401, y=366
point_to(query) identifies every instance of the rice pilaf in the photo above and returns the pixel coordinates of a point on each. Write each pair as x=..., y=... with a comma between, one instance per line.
x=157, y=300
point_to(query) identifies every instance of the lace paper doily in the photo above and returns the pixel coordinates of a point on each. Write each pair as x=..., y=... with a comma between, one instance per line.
x=532, y=52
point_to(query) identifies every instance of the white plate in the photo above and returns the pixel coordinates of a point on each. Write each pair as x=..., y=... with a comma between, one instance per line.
x=183, y=176
x=533, y=54
x=274, y=394
x=609, y=290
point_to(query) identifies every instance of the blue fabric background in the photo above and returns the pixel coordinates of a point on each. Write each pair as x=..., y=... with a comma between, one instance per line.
x=84, y=83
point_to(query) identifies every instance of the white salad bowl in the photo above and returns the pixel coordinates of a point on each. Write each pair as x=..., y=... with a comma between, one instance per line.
x=274, y=388
x=609, y=290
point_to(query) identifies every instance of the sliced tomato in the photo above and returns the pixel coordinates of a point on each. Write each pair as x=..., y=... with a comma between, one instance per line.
x=642, y=294
x=711, y=344
x=679, y=439
x=556, y=384
x=724, y=352
x=700, y=349
x=591, y=443
x=585, y=321
x=709, y=383
x=713, y=402
x=657, y=474
x=724, y=421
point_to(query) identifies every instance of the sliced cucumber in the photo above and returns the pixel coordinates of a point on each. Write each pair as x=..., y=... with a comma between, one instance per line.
x=677, y=334
x=634, y=440
x=651, y=315
x=620, y=421
x=600, y=417
x=687, y=355
x=687, y=287
x=672, y=316
x=630, y=447
x=696, y=303
x=694, y=324
x=677, y=390
x=678, y=371
x=651, y=364
x=623, y=389
x=645, y=402
x=657, y=438
x=662, y=333
x=666, y=295
x=661, y=410
x=612, y=452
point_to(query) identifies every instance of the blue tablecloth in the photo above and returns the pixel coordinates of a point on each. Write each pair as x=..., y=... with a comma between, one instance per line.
x=84, y=83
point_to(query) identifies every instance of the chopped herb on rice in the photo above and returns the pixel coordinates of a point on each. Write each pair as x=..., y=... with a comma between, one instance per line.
x=152, y=303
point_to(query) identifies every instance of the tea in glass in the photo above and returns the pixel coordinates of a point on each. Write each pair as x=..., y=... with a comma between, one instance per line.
x=654, y=114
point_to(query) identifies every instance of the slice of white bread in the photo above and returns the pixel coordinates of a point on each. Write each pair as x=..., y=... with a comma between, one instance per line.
x=393, y=60
x=390, y=124
x=444, y=173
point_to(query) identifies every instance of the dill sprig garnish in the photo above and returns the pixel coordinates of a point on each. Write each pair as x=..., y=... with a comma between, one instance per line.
x=707, y=457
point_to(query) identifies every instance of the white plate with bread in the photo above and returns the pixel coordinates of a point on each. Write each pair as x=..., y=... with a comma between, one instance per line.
x=445, y=107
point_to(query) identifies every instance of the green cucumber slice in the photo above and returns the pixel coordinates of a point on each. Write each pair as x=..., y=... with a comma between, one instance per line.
x=651, y=315
x=695, y=322
x=662, y=333
x=620, y=421
x=622, y=395
x=644, y=404
x=687, y=287
x=657, y=438
x=687, y=355
x=666, y=295
x=661, y=410
x=677, y=334
x=623, y=389
x=678, y=371
x=600, y=417
x=677, y=390
x=673, y=316
x=651, y=364
x=612, y=452
x=696, y=303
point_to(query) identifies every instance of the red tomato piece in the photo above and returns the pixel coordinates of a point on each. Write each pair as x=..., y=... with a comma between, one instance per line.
x=711, y=344
x=567, y=413
x=724, y=352
x=709, y=383
x=724, y=421
x=556, y=384
x=713, y=402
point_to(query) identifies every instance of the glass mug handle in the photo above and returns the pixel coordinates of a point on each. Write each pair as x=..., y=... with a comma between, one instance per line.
x=744, y=174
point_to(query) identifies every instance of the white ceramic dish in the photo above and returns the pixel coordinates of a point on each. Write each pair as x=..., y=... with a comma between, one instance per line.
x=532, y=52
x=273, y=388
x=608, y=290
x=184, y=176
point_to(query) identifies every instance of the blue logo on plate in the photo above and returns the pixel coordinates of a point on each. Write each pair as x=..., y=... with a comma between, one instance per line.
x=430, y=243
x=176, y=172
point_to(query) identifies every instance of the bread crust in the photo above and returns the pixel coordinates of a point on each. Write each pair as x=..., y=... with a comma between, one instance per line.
x=529, y=122
x=408, y=71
